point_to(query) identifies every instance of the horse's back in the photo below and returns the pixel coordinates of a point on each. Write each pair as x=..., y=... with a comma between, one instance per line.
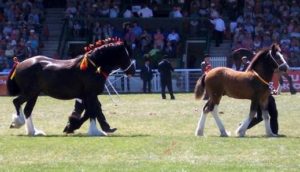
x=226, y=81
x=50, y=76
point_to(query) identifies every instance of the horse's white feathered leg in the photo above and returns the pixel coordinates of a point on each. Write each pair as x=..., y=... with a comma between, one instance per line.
x=219, y=122
x=31, y=130
x=241, y=130
x=18, y=120
x=93, y=130
x=201, y=124
x=266, y=118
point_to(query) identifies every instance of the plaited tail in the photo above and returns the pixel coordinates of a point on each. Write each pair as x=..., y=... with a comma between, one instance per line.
x=200, y=87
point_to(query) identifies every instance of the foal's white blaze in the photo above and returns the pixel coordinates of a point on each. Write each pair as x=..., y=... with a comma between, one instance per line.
x=31, y=130
x=201, y=124
x=266, y=118
x=18, y=120
x=219, y=122
x=93, y=130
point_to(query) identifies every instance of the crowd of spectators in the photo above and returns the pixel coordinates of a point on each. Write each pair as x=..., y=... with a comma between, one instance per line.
x=81, y=15
x=251, y=24
x=265, y=22
x=21, y=27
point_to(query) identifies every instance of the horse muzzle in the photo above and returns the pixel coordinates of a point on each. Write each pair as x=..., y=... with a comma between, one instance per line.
x=283, y=67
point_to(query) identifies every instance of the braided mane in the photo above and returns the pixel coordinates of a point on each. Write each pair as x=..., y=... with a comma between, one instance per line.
x=109, y=42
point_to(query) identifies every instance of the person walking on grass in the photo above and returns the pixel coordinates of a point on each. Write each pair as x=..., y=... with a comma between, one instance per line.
x=165, y=69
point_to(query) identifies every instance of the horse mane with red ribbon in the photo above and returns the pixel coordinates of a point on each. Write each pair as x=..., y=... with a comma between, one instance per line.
x=109, y=42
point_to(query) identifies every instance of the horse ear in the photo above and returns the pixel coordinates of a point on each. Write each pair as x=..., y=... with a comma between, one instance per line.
x=274, y=48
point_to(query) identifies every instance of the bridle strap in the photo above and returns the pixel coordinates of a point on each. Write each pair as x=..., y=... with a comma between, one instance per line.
x=260, y=78
x=131, y=63
x=98, y=68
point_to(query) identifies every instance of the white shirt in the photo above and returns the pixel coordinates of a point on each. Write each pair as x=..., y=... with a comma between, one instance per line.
x=127, y=14
x=219, y=24
x=145, y=12
x=173, y=37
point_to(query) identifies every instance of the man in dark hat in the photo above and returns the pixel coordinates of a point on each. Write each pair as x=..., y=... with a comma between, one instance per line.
x=165, y=69
x=146, y=76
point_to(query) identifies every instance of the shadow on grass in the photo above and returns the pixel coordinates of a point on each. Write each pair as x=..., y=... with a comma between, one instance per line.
x=257, y=136
x=85, y=135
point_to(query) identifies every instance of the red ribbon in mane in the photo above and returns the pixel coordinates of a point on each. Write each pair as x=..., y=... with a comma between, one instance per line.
x=12, y=73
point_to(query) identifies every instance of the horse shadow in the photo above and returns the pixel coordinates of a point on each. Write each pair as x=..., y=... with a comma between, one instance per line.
x=280, y=136
x=85, y=135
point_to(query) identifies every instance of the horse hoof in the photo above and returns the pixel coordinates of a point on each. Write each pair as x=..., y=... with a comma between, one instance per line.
x=17, y=121
x=96, y=133
x=225, y=134
x=272, y=135
x=39, y=133
x=36, y=132
x=199, y=133
x=240, y=133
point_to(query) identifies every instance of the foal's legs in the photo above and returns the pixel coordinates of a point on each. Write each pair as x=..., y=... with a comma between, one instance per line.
x=219, y=122
x=201, y=123
x=30, y=129
x=241, y=130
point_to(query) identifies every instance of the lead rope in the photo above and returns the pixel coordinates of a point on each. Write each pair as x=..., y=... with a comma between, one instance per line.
x=111, y=84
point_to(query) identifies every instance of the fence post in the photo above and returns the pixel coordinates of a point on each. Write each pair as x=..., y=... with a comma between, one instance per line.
x=187, y=78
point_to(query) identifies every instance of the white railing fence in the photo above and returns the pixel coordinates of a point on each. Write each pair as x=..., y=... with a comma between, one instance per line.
x=183, y=80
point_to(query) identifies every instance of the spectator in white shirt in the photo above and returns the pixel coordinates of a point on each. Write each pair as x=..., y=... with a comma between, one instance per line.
x=173, y=36
x=145, y=12
x=127, y=13
x=176, y=12
x=219, y=29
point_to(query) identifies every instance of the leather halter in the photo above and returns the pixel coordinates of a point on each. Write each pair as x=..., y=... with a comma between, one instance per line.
x=98, y=68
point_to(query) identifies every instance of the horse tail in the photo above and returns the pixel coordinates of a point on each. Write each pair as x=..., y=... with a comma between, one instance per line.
x=11, y=84
x=200, y=87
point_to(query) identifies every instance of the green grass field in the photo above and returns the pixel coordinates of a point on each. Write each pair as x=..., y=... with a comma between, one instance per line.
x=153, y=135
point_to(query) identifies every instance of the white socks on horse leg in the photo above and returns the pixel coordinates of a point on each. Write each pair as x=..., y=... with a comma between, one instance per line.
x=201, y=123
x=93, y=130
x=241, y=130
x=219, y=123
x=266, y=118
x=31, y=130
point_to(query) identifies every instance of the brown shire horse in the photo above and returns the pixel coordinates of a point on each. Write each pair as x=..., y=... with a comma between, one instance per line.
x=235, y=58
x=252, y=84
x=83, y=77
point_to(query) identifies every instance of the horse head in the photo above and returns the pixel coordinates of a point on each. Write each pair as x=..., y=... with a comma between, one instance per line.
x=267, y=60
x=111, y=54
x=277, y=57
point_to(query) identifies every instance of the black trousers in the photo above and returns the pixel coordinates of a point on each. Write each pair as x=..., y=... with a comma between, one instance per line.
x=147, y=86
x=272, y=109
x=80, y=107
x=218, y=37
x=166, y=83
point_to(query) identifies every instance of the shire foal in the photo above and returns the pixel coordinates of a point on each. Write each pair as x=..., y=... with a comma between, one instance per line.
x=252, y=84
